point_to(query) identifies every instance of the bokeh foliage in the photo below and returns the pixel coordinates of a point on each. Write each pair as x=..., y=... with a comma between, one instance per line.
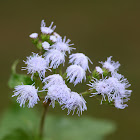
x=23, y=123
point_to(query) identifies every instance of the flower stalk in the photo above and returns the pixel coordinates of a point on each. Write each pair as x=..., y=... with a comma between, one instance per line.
x=42, y=122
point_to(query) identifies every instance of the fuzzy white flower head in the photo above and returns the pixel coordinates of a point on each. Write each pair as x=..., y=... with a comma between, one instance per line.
x=59, y=93
x=80, y=59
x=75, y=102
x=47, y=30
x=99, y=70
x=119, y=88
x=101, y=87
x=53, y=38
x=34, y=35
x=75, y=74
x=63, y=45
x=26, y=93
x=111, y=65
x=45, y=45
x=36, y=63
x=117, y=75
x=54, y=79
x=55, y=58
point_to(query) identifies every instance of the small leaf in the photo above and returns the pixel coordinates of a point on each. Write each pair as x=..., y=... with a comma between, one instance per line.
x=18, y=79
x=13, y=68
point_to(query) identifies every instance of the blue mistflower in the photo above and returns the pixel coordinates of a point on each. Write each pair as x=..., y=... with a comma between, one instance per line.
x=47, y=30
x=63, y=45
x=35, y=64
x=80, y=59
x=26, y=93
x=75, y=74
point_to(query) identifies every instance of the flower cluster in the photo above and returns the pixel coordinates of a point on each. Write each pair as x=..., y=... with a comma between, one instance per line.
x=113, y=87
x=58, y=91
x=53, y=50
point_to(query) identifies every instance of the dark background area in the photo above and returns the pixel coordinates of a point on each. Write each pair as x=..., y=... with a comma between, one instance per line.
x=98, y=28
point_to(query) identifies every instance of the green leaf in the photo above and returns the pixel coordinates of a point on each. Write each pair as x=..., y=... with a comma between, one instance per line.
x=18, y=79
x=13, y=68
x=23, y=122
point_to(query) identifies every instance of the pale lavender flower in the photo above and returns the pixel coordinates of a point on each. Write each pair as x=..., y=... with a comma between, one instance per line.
x=54, y=58
x=47, y=30
x=119, y=87
x=80, y=59
x=45, y=45
x=59, y=93
x=111, y=65
x=99, y=70
x=101, y=87
x=75, y=102
x=26, y=93
x=63, y=45
x=75, y=74
x=54, y=79
x=113, y=88
x=36, y=63
x=34, y=35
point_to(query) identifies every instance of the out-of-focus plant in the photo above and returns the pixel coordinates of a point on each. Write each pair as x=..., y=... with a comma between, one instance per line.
x=105, y=84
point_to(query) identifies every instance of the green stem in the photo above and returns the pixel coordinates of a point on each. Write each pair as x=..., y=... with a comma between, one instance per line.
x=41, y=131
x=87, y=92
x=60, y=70
x=54, y=71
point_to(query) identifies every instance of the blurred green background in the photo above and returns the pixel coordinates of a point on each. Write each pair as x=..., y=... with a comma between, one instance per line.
x=98, y=28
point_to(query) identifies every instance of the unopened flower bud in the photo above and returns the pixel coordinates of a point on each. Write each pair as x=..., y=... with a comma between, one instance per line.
x=99, y=70
x=45, y=45
x=53, y=38
x=33, y=35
